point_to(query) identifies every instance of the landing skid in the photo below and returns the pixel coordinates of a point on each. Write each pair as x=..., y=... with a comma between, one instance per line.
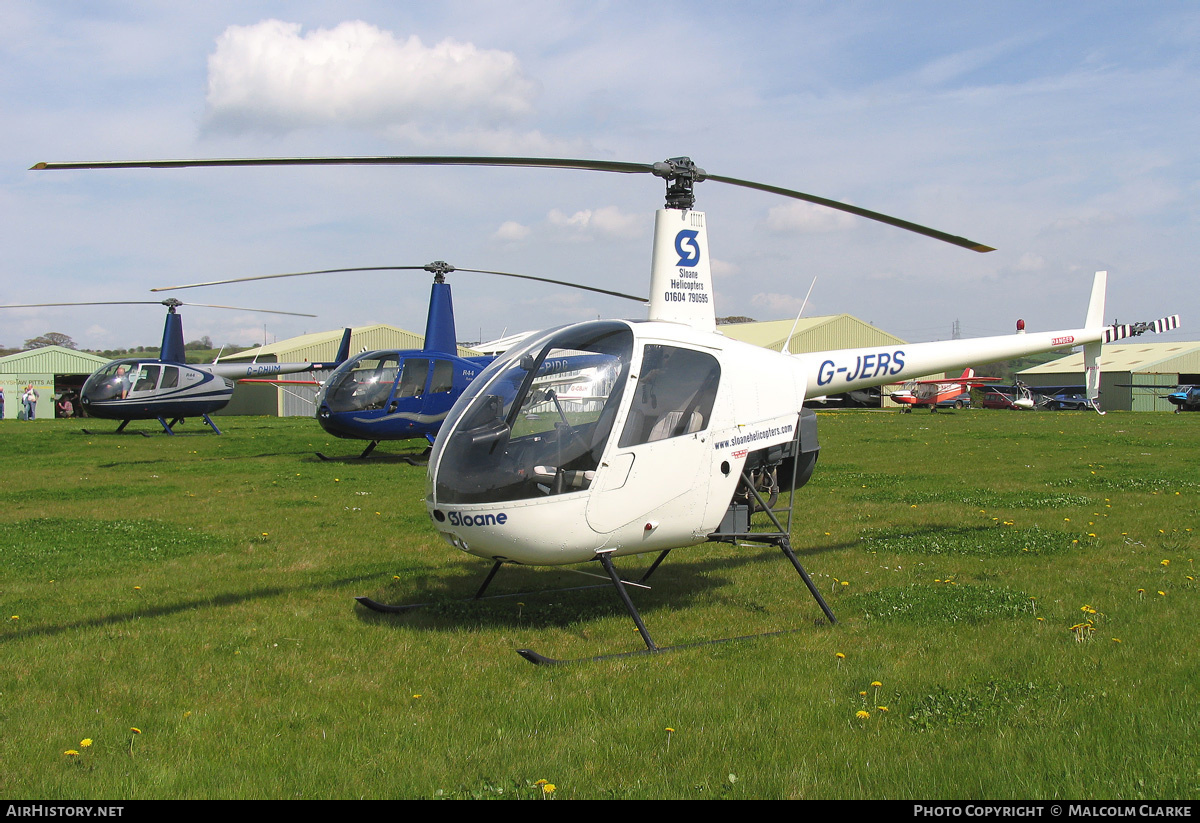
x=421, y=460
x=169, y=428
x=541, y=660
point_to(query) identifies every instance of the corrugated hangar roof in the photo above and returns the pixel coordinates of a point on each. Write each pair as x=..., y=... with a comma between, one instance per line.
x=1131, y=357
x=323, y=345
x=52, y=360
x=835, y=331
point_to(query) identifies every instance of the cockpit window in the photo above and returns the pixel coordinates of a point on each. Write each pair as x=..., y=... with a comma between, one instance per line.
x=541, y=421
x=113, y=381
x=675, y=392
x=363, y=384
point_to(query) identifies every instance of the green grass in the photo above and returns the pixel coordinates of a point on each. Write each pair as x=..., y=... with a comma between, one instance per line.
x=997, y=573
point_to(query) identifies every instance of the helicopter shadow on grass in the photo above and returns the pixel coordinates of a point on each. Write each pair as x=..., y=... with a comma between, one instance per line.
x=536, y=598
x=191, y=605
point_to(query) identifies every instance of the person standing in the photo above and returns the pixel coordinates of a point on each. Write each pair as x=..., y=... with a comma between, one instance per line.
x=29, y=400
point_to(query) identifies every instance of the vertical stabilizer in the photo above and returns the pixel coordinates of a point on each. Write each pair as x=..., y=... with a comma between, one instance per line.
x=439, y=326
x=1091, y=351
x=680, y=273
x=172, y=342
x=1095, y=315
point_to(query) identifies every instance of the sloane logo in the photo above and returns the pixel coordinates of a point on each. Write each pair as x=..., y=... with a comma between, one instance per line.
x=687, y=238
x=458, y=519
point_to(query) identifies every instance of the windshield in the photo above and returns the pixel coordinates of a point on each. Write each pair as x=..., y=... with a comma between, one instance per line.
x=365, y=382
x=116, y=380
x=539, y=419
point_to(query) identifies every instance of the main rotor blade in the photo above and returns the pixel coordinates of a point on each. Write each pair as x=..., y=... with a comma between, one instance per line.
x=522, y=162
x=406, y=268
x=867, y=213
x=666, y=170
x=151, y=303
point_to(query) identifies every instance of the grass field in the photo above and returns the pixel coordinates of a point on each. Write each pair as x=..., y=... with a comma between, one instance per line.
x=1015, y=591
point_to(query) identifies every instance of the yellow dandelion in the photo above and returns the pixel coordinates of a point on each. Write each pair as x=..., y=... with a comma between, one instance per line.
x=548, y=789
x=882, y=709
x=137, y=588
x=876, y=683
x=862, y=714
x=265, y=534
x=1164, y=594
x=1165, y=562
x=135, y=730
x=1116, y=640
x=15, y=617
x=83, y=744
x=840, y=656
x=862, y=694
x=541, y=782
x=416, y=697
x=71, y=753
x=187, y=714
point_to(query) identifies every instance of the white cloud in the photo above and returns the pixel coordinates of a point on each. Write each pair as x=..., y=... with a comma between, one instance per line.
x=608, y=221
x=723, y=268
x=779, y=305
x=511, y=231
x=799, y=217
x=270, y=76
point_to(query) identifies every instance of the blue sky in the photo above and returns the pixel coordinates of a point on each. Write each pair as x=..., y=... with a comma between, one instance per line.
x=1062, y=134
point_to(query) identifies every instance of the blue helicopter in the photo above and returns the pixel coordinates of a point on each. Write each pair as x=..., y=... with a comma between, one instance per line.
x=168, y=387
x=403, y=394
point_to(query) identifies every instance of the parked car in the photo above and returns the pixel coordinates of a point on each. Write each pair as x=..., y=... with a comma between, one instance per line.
x=1070, y=401
x=997, y=400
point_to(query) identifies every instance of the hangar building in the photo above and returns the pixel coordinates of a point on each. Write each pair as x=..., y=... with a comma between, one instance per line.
x=1159, y=364
x=51, y=370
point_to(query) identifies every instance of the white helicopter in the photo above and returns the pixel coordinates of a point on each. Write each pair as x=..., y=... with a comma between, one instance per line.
x=610, y=438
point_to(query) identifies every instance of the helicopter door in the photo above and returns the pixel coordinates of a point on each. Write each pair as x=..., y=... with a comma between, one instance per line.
x=144, y=380
x=663, y=450
x=412, y=378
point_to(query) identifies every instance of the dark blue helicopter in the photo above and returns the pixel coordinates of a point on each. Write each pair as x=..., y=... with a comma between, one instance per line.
x=403, y=394
x=168, y=387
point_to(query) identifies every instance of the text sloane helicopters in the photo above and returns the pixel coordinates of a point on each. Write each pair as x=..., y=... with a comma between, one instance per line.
x=679, y=428
x=402, y=394
x=168, y=388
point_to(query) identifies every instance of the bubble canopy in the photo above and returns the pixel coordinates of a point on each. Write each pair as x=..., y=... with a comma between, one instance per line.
x=537, y=420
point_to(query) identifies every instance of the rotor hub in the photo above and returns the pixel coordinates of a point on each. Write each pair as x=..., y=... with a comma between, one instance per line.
x=681, y=174
x=439, y=269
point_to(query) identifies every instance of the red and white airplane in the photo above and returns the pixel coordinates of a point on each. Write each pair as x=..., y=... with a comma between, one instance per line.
x=931, y=393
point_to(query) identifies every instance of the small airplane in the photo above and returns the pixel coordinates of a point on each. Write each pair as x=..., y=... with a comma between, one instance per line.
x=168, y=387
x=681, y=436
x=933, y=393
x=405, y=394
x=1186, y=397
